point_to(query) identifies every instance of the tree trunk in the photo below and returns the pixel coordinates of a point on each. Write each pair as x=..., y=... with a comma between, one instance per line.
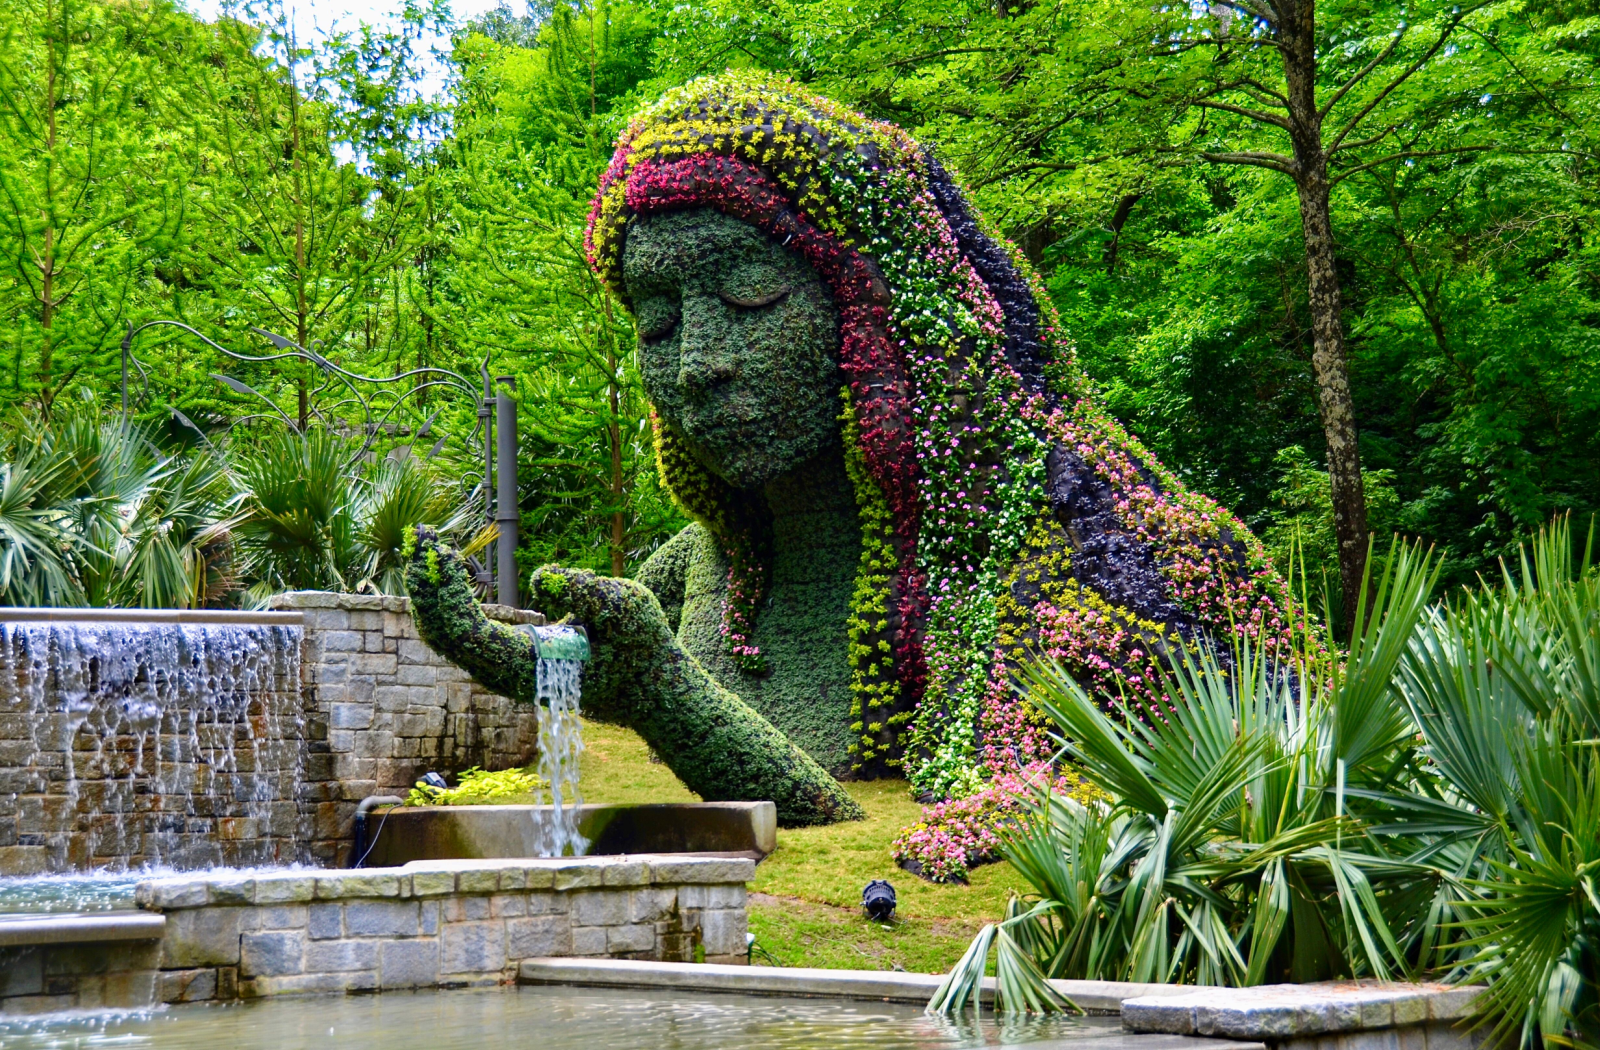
x=1334, y=403
x=1297, y=45
x=47, y=263
x=614, y=433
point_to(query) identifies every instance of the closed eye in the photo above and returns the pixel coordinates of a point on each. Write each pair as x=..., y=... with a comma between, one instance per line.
x=756, y=303
x=658, y=319
x=656, y=333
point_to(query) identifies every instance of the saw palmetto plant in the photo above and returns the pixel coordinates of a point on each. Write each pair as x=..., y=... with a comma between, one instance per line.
x=1426, y=804
x=100, y=513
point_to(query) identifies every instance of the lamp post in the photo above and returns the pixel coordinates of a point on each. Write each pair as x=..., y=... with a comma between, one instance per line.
x=506, y=503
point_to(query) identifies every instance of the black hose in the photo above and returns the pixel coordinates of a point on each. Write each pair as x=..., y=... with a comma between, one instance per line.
x=361, y=847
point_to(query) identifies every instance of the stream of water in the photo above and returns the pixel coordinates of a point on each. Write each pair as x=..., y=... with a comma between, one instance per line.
x=560, y=744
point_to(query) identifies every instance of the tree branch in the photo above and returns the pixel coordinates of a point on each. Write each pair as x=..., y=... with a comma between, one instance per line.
x=1393, y=85
x=1250, y=84
x=1245, y=111
x=1405, y=155
x=1361, y=74
x=1493, y=44
x=1274, y=161
x=1247, y=8
x=941, y=53
x=1372, y=139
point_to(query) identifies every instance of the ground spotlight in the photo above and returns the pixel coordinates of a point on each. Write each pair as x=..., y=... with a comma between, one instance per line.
x=878, y=899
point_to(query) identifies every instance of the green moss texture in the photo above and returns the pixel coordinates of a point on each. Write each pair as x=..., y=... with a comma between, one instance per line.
x=639, y=677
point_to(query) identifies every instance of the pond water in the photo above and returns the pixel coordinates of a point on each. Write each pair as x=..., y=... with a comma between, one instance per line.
x=536, y=1018
x=67, y=893
x=92, y=891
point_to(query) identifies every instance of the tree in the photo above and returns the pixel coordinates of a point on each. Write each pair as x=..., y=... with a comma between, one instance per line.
x=299, y=234
x=1046, y=107
x=533, y=132
x=88, y=190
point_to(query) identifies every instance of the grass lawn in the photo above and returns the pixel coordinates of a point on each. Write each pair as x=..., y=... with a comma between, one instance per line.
x=805, y=905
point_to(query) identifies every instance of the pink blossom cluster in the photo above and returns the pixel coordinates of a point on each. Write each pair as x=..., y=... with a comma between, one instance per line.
x=954, y=837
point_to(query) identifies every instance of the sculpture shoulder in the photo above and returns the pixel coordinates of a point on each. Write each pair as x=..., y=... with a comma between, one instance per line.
x=667, y=570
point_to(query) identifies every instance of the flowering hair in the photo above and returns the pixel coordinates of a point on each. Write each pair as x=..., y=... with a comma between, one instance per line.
x=961, y=399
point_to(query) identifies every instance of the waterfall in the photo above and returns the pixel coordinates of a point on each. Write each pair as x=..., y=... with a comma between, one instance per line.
x=560, y=743
x=151, y=744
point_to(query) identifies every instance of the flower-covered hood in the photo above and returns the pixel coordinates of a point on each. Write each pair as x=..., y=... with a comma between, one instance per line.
x=958, y=387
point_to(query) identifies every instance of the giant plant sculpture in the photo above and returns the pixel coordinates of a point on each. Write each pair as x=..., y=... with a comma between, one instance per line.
x=899, y=478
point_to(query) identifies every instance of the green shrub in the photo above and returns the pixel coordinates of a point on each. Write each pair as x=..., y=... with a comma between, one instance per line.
x=1426, y=807
x=478, y=787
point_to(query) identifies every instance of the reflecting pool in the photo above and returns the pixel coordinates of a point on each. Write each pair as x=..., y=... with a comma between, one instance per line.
x=542, y=1017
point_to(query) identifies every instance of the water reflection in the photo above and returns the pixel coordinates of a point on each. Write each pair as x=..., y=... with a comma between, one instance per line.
x=548, y=1018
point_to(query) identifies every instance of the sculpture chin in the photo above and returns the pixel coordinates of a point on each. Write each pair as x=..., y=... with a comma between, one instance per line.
x=747, y=455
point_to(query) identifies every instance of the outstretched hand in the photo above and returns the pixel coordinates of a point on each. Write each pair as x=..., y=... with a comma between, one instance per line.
x=627, y=630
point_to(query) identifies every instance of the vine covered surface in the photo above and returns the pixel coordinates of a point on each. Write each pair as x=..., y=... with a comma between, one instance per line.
x=1002, y=510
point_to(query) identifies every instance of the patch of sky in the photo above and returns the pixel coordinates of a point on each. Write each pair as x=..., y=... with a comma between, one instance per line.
x=406, y=42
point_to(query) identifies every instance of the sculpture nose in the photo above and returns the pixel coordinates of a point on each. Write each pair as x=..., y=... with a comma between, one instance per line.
x=707, y=352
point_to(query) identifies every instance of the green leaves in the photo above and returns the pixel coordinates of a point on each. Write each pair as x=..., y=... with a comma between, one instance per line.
x=1091, y=738
x=314, y=517
x=1428, y=807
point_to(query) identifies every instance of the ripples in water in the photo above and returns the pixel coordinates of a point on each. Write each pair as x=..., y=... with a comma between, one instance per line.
x=546, y=1018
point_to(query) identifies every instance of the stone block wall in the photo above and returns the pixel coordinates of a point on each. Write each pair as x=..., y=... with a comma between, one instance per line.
x=382, y=709
x=132, y=737
x=192, y=738
x=438, y=923
x=53, y=978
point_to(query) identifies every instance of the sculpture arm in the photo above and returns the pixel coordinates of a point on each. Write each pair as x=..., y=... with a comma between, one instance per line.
x=638, y=676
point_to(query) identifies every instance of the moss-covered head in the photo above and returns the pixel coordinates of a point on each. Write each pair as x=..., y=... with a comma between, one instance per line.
x=738, y=342
x=968, y=417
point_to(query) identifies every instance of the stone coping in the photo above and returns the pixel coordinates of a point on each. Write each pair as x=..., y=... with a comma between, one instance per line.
x=1271, y=1012
x=1115, y=1040
x=200, y=617
x=1282, y=1011
x=78, y=928
x=1095, y=997
x=391, y=603
x=439, y=878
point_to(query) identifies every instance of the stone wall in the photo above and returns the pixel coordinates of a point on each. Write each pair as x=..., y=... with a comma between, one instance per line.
x=49, y=978
x=382, y=709
x=430, y=924
x=198, y=738
x=133, y=737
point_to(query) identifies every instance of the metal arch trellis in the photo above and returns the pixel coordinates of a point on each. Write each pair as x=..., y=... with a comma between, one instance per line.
x=495, y=409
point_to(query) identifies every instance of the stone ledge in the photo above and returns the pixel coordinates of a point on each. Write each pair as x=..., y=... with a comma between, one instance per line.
x=713, y=977
x=1095, y=997
x=1114, y=1040
x=81, y=929
x=435, y=878
x=1287, y=1011
x=365, y=603
x=337, y=600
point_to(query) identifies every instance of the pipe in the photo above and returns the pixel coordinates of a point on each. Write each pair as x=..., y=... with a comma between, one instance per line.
x=359, y=851
x=506, y=504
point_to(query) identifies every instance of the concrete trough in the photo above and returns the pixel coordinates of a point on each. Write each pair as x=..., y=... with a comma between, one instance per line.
x=402, y=834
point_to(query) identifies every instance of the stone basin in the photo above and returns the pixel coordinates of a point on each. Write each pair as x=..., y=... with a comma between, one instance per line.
x=403, y=834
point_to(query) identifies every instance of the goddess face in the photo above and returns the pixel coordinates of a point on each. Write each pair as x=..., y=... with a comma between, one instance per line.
x=738, y=342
